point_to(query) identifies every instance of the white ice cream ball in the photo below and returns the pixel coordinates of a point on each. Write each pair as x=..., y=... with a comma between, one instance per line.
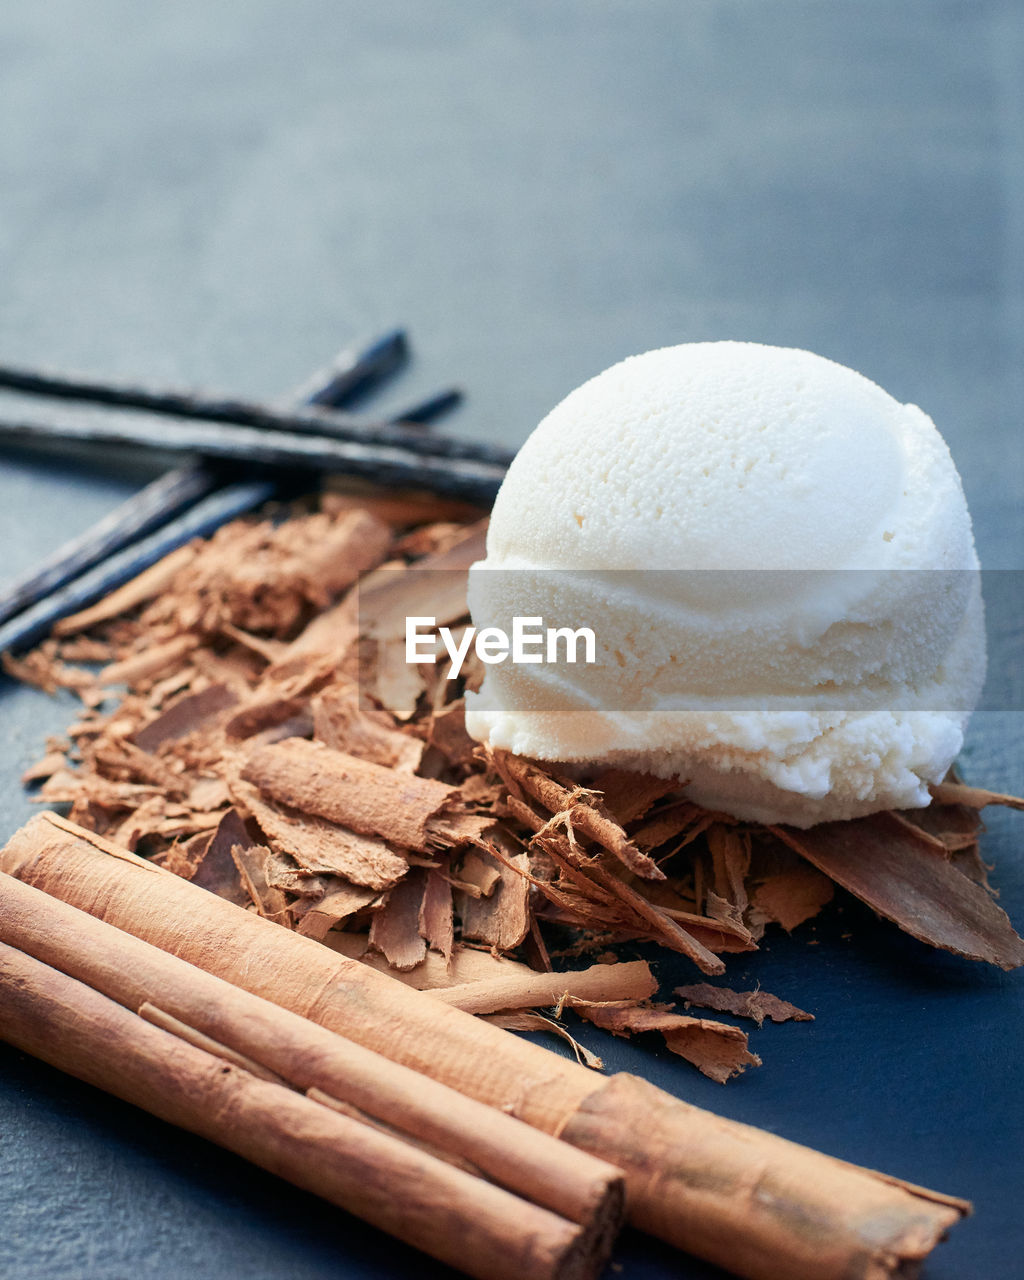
x=834, y=680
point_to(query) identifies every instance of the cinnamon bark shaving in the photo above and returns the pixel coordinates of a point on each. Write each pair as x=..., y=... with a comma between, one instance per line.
x=589, y=815
x=500, y=918
x=607, y=897
x=250, y=861
x=359, y=794
x=148, y=585
x=343, y=724
x=478, y=876
x=393, y=682
x=186, y=715
x=730, y=854
x=153, y=660
x=757, y=1005
x=43, y=670
x=447, y=732
x=434, y=586
x=323, y=847
x=628, y=796
x=327, y=641
x=902, y=878
x=395, y=930
x=339, y=903
x=973, y=797
x=43, y=768
x=437, y=919
x=791, y=897
x=957, y=827
x=717, y=1050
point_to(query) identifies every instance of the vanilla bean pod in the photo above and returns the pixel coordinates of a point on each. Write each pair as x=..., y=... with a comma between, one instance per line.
x=354, y=372
x=198, y=521
x=475, y=473
x=143, y=512
x=197, y=407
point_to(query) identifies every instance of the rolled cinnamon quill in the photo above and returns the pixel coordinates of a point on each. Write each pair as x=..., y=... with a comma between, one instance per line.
x=456, y=1217
x=280, y=1045
x=747, y=1200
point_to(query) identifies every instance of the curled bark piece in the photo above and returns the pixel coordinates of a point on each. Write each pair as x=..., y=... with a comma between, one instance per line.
x=744, y=1004
x=628, y=795
x=351, y=792
x=339, y=722
x=434, y=586
x=973, y=797
x=716, y=1049
x=790, y=897
x=150, y=583
x=626, y=909
x=336, y=905
x=395, y=930
x=437, y=922
x=588, y=814
x=904, y=879
x=251, y=863
x=501, y=918
x=216, y=869
x=153, y=660
x=323, y=847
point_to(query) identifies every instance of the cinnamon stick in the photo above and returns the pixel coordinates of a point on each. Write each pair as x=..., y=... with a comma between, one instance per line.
x=306, y=1056
x=627, y=980
x=456, y=1217
x=744, y=1199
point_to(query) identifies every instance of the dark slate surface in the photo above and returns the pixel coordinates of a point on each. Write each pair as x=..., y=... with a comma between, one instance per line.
x=224, y=194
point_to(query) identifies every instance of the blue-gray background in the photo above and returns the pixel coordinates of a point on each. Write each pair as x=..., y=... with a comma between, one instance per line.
x=223, y=192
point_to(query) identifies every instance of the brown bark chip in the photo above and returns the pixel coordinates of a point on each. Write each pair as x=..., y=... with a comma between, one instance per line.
x=716, y=1049
x=395, y=931
x=251, y=863
x=902, y=878
x=366, y=797
x=194, y=711
x=790, y=897
x=437, y=921
x=217, y=870
x=757, y=1005
x=322, y=847
x=502, y=918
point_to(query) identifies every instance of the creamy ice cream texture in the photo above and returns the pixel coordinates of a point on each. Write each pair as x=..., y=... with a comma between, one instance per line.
x=777, y=559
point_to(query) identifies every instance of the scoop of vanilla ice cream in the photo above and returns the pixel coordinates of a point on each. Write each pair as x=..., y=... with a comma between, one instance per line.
x=777, y=560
